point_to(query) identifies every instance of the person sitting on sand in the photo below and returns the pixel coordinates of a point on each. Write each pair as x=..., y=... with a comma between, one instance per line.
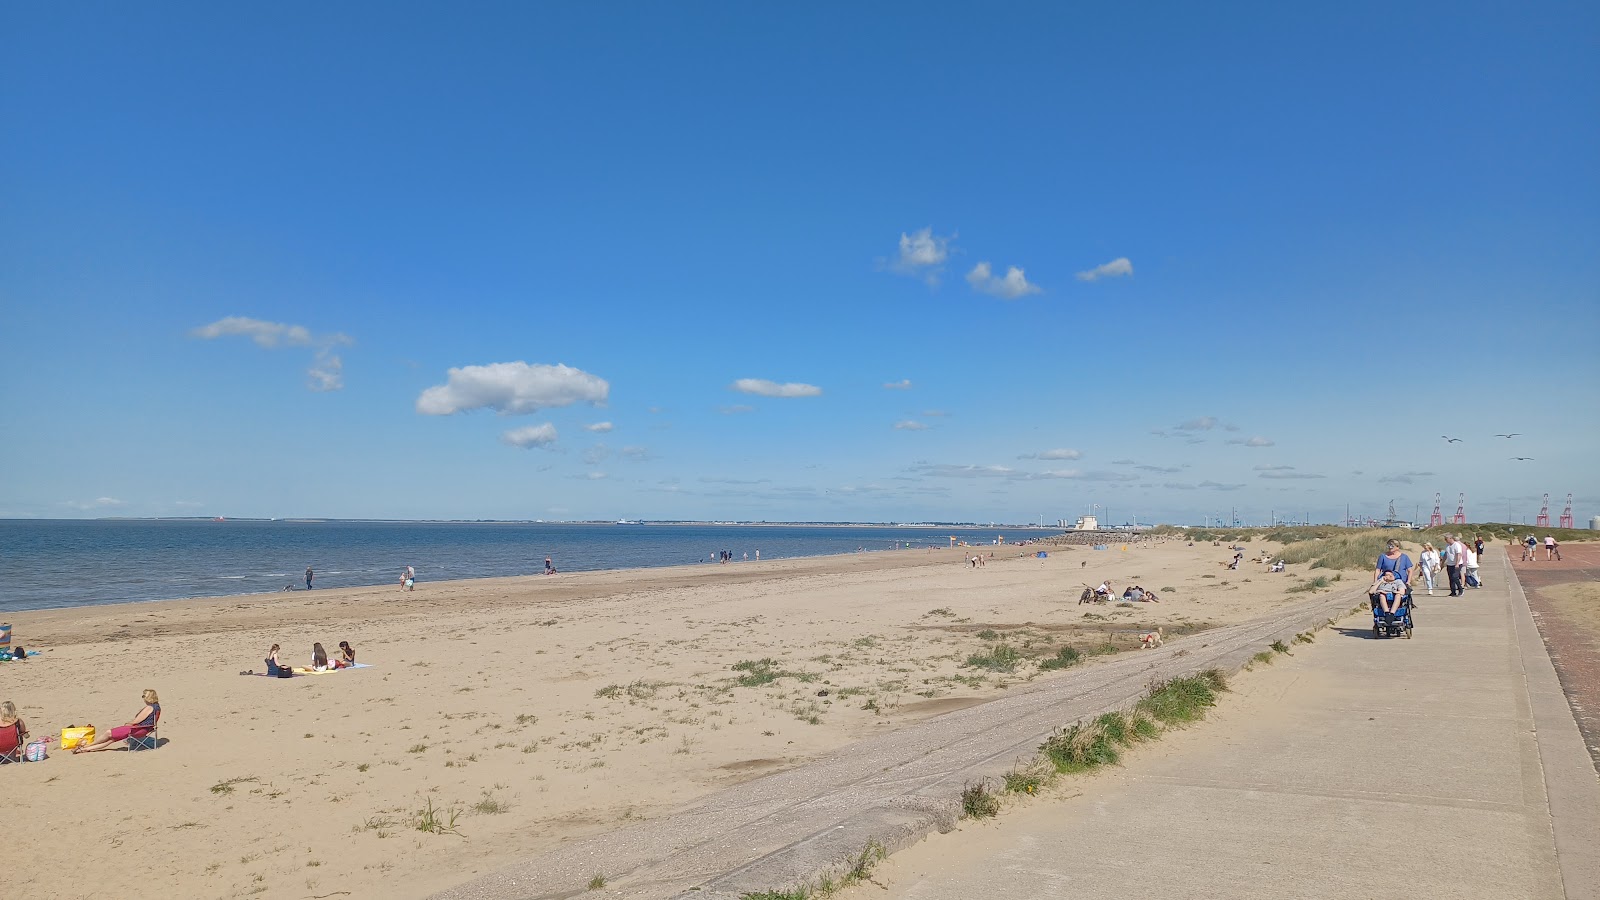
x=275, y=667
x=347, y=656
x=1389, y=592
x=1277, y=566
x=319, y=658
x=1135, y=593
x=13, y=733
x=141, y=726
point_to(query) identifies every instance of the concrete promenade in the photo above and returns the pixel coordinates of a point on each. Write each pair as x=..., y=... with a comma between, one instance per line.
x=1449, y=765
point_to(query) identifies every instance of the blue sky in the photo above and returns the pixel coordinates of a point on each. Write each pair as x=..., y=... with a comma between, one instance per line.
x=390, y=260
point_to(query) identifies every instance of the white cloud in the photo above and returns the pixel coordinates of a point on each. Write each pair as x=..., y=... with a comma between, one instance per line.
x=591, y=476
x=636, y=453
x=1164, y=470
x=903, y=384
x=327, y=370
x=1059, y=453
x=270, y=335
x=1289, y=475
x=735, y=409
x=599, y=427
x=911, y=425
x=1219, y=486
x=512, y=388
x=594, y=456
x=921, y=249
x=1117, y=268
x=530, y=436
x=326, y=373
x=1203, y=423
x=764, y=388
x=1273, y=468
x=1012, y=286
x=1256, y=441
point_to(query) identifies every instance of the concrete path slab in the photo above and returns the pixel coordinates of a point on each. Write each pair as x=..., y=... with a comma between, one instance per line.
x=1435, y=767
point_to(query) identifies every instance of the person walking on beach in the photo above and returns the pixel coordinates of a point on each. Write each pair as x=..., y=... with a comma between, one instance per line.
x=1455, y=560
x=1529, y=549
x=1549, y=547
x=309, y=573
x=1428, y=562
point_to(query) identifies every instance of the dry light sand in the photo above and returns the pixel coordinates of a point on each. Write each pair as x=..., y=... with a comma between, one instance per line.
x=526, y=711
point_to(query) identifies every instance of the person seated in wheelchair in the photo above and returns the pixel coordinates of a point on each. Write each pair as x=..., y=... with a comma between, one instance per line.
x=1388, y=595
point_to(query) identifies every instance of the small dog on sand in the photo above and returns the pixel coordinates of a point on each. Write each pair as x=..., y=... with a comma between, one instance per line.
x=1150, y=639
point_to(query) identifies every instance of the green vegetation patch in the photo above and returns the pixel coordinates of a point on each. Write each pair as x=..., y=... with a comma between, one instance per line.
x=999, y=658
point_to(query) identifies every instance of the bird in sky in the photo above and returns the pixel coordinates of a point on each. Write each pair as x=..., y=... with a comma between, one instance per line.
x=1511, y=435
x=1522, y=458
x=1450, y=439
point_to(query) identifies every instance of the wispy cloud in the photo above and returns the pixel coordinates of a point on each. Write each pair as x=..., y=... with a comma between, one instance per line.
x=1117, y=268
x=1203, y=423
x=530, y=436
x=1273, y=468
x=591, y=476
x=736, y=409
x=764, y=388
x=1164, y=470
x=599, y=427
x=1403, y=477
x=1058, y=453
x=1287, y=476
x=1012, y=285
x=1219, y=486
x=1256, y=441
x=903, y=384
x=97, y=503
x=594, y=456
x=1123, y=462
x=911, y=425
x=1178, y=486
x=636, y=453
x=512, y=388
x=948, y=470
x=326, y=372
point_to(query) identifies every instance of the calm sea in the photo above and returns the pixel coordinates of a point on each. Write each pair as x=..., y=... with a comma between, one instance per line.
x=55, y=563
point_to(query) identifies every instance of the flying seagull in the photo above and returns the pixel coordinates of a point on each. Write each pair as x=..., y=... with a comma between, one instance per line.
x=1522, y=458
x=1450, y=439
x=1511, y=435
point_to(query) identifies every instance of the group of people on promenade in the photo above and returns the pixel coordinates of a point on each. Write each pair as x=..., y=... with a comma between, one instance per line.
x=16, y=745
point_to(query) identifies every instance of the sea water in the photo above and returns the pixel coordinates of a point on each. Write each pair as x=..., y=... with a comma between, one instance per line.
x=75, y=562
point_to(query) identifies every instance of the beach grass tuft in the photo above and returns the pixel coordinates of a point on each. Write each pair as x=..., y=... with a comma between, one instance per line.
x=978, y=802
x=1065, y=657
x=1179, y=701
x=597, y=882
x=999, y=658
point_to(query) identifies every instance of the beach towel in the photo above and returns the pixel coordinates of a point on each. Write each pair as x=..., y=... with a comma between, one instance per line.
x=5, y=655
x=5, y=635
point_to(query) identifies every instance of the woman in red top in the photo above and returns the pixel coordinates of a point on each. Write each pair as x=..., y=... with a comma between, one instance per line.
x=13, y=733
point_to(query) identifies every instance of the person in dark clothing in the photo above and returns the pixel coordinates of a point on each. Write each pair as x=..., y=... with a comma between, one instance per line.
x=309, y=573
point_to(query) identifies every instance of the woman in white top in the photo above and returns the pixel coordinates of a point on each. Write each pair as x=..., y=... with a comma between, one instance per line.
x=1428, y=560
x=1472, y=567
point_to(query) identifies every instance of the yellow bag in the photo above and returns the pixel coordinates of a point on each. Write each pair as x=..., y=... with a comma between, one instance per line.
x=79, y=735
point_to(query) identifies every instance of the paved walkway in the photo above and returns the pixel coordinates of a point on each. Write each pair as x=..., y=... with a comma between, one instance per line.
x=1444, y=766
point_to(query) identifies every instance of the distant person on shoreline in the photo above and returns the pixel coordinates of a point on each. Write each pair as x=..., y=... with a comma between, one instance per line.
x=549, y=566
x=408, y=579
x=309, y=574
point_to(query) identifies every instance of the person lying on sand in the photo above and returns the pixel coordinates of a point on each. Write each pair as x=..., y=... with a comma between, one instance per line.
x=141, y=726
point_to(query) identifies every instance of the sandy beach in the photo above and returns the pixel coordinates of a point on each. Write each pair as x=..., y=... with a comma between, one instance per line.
x=516, y=713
